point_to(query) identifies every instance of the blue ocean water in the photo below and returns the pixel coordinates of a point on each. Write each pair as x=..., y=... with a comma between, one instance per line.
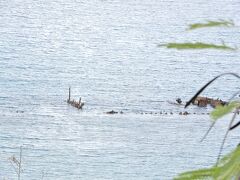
x=107, y=52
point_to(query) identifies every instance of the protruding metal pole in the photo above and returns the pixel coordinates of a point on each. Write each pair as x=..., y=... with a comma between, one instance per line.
x=69, y=94
x=79, y=103
x=80, y=100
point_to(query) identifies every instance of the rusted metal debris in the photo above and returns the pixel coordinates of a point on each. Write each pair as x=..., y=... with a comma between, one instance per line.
x=204, y=101
x=114, y=112
x=77, y=104
x=184, y=113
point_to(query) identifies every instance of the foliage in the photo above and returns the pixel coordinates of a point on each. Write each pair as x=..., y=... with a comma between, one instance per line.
x=197, y=45
x=211, y=24
x=207, y=84
x=17, y=163
x=228, y=168
x=200, y=45
x=220, y=111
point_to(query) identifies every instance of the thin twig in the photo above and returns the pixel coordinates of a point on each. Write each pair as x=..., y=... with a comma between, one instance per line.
x=14, y=167
x=206, y=85
x=237, y=124
x=20, y=161
x=209, y=129
x=43, y=174
x=233, y=96
x=225, y=137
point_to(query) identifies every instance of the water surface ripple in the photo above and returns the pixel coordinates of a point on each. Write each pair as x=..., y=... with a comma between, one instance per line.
x=107, y=52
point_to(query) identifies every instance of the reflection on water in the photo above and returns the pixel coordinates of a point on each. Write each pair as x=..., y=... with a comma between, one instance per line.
x=107, y=52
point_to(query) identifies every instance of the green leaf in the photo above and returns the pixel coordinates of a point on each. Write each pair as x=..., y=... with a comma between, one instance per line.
x=221, y=111
x=196, y=45
x=228, y=168
x=211, y=24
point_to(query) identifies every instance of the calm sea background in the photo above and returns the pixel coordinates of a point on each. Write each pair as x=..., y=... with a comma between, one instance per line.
x=107, y=52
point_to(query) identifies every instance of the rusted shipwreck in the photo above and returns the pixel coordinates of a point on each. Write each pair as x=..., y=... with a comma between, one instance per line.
x=77, y=104
x=204, y=101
